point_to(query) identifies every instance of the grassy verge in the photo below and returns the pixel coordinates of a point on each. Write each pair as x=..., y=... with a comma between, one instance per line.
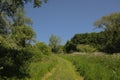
x=39, y=69
x=96, y=67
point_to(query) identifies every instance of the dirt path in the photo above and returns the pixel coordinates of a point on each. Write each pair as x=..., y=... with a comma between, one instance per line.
x=63, y=71
x=49, y=74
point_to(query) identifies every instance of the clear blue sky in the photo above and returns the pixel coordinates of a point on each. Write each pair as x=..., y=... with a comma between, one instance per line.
x=65, y=18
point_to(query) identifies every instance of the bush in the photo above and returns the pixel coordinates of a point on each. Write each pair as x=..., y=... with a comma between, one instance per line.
x=13, y=59
x=43, y=48
x=70, y=47
x=60, y=49
x=85, y=48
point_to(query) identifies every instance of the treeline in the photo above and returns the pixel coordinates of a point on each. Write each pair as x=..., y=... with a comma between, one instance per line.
x=16, y=40
x=106, y=41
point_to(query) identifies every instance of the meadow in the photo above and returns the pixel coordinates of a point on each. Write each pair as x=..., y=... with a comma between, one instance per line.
x=96, y=67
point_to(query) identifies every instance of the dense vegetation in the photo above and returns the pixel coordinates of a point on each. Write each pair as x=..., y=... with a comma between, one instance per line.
x=95, y=40
x=38, y=69
x=106, y=41
x=96, y=67
x=55, y=44
x=16, y=36
x=22, y=57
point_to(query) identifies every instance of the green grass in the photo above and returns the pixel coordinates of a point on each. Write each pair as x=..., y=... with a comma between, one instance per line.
x=70, y=67
x=64, y=71
x=96, y=67
x=51, y=67
x=40, y=68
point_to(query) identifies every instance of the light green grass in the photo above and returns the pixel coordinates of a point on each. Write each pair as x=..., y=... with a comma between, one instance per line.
x=64, y=71
x=40, y=68
x=96, y=67
x=52, y=67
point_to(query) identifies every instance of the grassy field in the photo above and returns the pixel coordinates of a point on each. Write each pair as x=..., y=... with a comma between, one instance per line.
x=72, y=67
x=64, y=71
x=53, y=68
x=96, y=67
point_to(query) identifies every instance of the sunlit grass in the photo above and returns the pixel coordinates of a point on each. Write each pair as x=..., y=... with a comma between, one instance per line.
x=65, y=71
x=40, y=68
x=96, y=67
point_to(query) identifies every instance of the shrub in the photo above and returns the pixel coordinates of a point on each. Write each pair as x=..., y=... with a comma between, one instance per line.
x=70, y=47
x=43, y=48
x=60, y=49
x=85, y=48
x=13, y=58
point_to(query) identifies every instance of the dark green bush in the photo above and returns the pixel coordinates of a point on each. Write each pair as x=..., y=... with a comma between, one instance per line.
x=13, y=59
x=70, y=47
x=105, y=41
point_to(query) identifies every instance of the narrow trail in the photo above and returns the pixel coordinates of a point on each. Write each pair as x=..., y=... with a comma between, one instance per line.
x=49, y=74
x=63, y=71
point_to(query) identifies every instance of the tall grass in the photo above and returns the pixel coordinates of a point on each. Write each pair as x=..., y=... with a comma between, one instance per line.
x=64, y=71
x=96, y=67
x=39, y=69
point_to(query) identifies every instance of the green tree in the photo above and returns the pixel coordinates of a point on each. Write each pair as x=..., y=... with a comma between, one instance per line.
x=111, y=26
x=9, y=9
x=96, y=40
x=15, y=38
x=54, y=43
x=20, y=19
x=109, y=22
x=10, y=6
x=23, y=35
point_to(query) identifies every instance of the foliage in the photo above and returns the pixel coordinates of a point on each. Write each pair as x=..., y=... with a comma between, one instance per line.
x=107, y=40
x=45, y=49
x=85, y=48
x=54, y=43
x=94, y=40
x=9, y=9
x=60, y=49
x=23, y=35
x=19, y=18
x=70, y=47
x=13, y=59
x=16, y=59
x=109, y=22
x=14, y=52
x=96, y=67
x=16, y=37
x=10, y=6
x=111, y=26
